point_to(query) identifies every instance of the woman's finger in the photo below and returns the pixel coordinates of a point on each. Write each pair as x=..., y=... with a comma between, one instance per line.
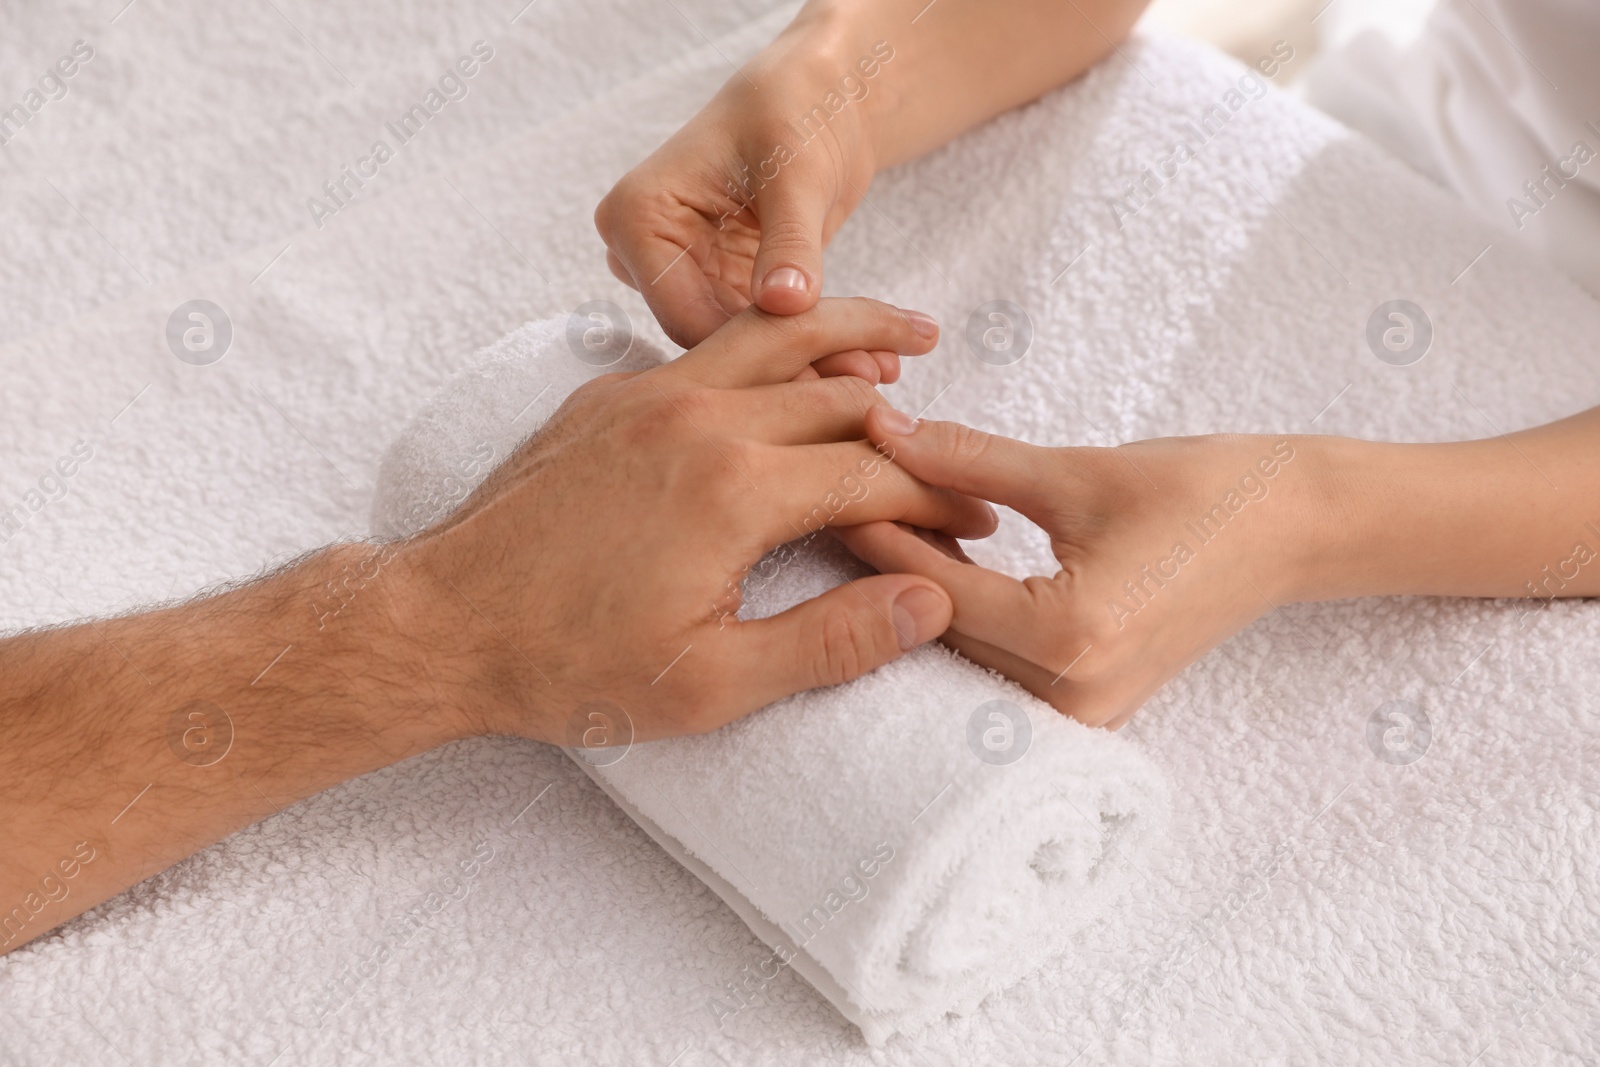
x=969, y=461
x=848, y=483
x=669, y=273
x=787, y=276
x=990, y=606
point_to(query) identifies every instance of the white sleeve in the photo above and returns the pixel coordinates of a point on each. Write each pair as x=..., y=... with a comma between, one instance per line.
x=1499, y=100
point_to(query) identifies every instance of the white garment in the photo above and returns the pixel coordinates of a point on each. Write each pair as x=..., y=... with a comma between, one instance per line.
x=1500, y=101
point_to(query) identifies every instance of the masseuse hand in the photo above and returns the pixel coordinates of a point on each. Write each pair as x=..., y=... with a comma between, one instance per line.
x=737, y=206
x=596, y=564
x=713, y=221
x=1166, y=548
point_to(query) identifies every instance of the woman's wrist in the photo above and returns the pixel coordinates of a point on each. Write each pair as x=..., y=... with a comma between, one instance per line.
x=842, y=50
x=1466, y=518
x=950, y=66
x=1334, y=519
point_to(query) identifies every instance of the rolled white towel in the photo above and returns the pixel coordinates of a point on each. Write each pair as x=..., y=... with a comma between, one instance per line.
x=909, y=842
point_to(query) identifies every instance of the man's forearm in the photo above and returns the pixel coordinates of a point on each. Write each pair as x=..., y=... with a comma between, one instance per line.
x=128, y=744
x=1510, y=516
x=958, y=63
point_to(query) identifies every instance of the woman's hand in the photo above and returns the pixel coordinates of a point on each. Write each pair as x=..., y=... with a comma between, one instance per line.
x=1166, y=548
x=1169, y=546
x=737, y=206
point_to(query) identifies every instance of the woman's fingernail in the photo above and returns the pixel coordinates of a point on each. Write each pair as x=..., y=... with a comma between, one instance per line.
x=896, y=422
x=787, y=278
x=923, y=324
x=918, y=616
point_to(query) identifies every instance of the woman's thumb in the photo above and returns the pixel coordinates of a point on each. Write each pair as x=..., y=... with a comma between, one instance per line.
x=787, y=278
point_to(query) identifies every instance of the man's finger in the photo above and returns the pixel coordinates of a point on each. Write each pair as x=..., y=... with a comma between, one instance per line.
x=857, y=363
x=879, y=368
x=1026, y=673
x=807, y=411
x=838, y=636
x=787, y=276
x=969, y=461
x=757, y=348
x=849, y=483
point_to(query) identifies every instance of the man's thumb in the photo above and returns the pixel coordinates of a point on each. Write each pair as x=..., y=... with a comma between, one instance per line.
x=845, y=632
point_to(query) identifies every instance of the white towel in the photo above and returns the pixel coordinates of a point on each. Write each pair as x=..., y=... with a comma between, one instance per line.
x=1316, y=904
x=909, y=842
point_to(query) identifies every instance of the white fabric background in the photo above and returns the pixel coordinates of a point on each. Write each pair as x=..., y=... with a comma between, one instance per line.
x=1318, y=906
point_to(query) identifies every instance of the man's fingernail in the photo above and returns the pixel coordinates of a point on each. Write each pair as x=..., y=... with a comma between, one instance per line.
x=918, y=616
x=896, y=422
x=787, y=278
x=923, y=324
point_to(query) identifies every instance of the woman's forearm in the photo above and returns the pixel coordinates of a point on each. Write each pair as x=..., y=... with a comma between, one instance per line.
x=959, y=62
x=1506, y=516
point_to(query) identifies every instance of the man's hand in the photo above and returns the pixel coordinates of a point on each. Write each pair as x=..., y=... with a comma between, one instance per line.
x=595, y=566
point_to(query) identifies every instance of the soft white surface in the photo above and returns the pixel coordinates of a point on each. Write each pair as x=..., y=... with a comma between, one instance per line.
x=1497, y=100
x=855, y=826
x=1322, y=906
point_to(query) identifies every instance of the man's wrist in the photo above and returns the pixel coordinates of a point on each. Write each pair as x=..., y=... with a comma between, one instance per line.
x=367, y=633
x=448, y=637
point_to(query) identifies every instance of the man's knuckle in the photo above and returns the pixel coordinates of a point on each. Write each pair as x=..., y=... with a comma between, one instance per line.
x=697, y=405
x=683, y=714
x=647, y=420
x=770, y=329
x=740, y=459
x=848, y=646
x=857, y=394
